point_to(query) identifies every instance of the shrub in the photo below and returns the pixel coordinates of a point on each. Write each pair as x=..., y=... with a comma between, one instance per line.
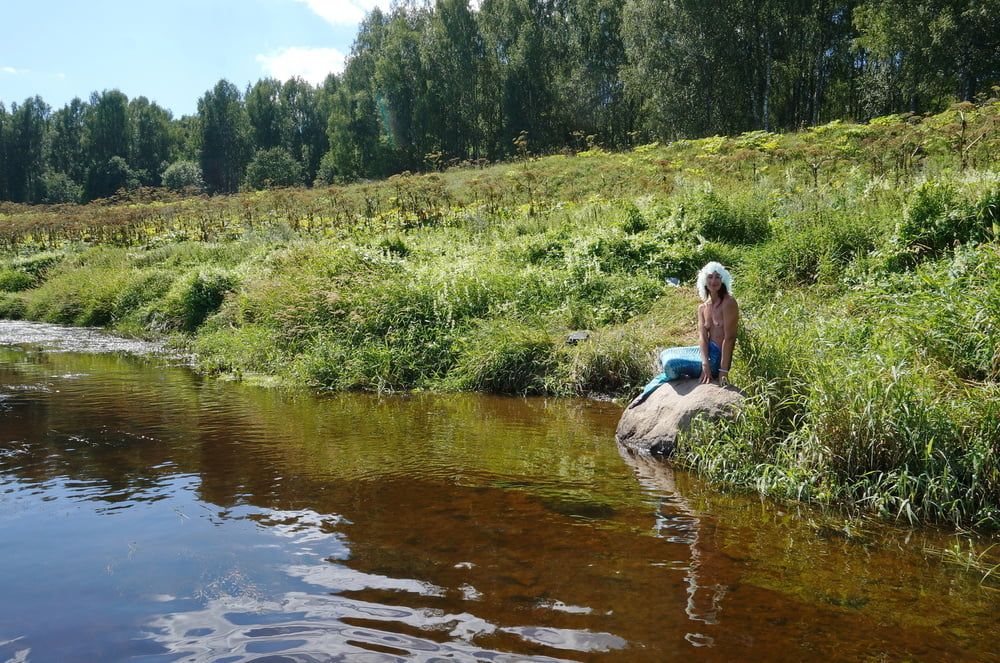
x=545, y=249
x=12, y=307
x=272, y=168
x=183, y=176
x=15, y=280
x=140, y=289
x=238, y=350
x=81, y=296
x=505, y=357
x=394, y=246
x=37, y=264
x=110, y=177
x=60, y=188
x=610, y=362
x=613, y=252
x=949, y=310
x=810, y=250
x=633, y=221
x=330, y=170
x=193, y=297
x=370, y=366
x=938, y=218
x=730, y=221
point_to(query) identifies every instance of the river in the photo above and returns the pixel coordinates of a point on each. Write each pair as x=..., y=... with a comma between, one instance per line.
x=151, y=514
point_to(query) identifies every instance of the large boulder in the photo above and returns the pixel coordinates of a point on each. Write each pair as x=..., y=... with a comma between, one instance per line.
x=652, y=426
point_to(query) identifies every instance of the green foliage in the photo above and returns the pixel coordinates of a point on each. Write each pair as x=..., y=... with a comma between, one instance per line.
x=951, y=311
x=860, y=401
x=109, y=177
x=807, y=250
x=193, y=297
x=432, y=85
x=615, y=361
x=633, y=221
x=141, y=288
x=12, y=307
x=83, y=295
x=183, y=176
x=37, y=264
x=238, y=351
x=60, y=188
x=730, y=221
x=226, y=139
x=505, y=358
x=272, y=168
x=614, y=298
x=612, y=252
x=395, y=246
x=15, y=280
x=23, y=142
x=937, y=219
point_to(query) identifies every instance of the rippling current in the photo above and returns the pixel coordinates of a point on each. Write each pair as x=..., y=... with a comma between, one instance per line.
x=149, y=514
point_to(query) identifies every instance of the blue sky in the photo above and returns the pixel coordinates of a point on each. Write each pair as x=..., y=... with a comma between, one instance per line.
x=170, y=51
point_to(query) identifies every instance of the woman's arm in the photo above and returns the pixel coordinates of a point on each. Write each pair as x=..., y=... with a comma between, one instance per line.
x=730, y=327
x=706, y=365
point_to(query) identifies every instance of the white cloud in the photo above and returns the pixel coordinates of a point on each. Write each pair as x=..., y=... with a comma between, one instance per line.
x=343, y=12
x=311, y=64
x=13, y=71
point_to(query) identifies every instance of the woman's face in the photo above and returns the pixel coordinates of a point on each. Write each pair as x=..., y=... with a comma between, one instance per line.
x=713, y=282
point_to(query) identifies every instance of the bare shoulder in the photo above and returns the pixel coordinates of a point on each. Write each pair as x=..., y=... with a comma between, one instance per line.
x=730, y=305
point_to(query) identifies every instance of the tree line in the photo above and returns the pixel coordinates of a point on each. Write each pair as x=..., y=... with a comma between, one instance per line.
x=431, y=84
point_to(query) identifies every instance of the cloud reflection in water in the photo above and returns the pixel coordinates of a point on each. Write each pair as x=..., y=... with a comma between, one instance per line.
x=305, y=626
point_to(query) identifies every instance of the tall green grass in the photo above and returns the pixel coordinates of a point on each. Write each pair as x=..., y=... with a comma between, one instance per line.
x=885, y=398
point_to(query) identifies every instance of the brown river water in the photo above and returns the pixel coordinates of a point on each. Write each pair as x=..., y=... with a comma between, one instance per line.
x=150, y=514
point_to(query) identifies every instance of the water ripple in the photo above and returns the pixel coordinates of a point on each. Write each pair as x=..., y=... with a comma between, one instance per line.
x=73, y=339
x=234, y=628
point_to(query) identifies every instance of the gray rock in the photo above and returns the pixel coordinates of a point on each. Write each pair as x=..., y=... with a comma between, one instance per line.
x=577, y=337
x=652, y=426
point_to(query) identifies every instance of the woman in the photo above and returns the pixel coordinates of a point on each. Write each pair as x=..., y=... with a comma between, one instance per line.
x=718, y=324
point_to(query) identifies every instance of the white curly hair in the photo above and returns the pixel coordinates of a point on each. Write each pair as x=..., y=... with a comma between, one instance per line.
x=713, y=268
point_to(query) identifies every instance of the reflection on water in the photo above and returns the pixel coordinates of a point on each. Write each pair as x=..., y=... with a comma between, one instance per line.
x=678, y=522
x=149, y=514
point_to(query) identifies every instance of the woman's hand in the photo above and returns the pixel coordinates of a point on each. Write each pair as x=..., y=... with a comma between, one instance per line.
x=706, y=373
x=723, y=378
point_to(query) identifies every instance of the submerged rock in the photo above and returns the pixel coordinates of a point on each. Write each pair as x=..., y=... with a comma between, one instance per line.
x=652, y=426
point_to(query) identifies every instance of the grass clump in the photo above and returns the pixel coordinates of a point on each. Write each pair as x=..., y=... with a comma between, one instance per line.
x=506, y=359
x=12, y=307
x=15, y=280
x=84, y=295
x=938, y=218
x=192, y=298
x=615, y=361
x=739, y=220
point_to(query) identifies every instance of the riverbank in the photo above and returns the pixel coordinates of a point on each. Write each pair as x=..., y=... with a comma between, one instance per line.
x=872, y=372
